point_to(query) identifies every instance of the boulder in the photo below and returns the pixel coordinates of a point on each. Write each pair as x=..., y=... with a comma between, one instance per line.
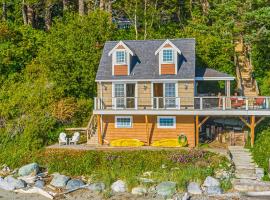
x=194, y=188
x=40, y=184
x=119, y=186
x=28, y=179
x=166, y=189
x=259, y=173
x=30, y=169
x=16, y=183
x=74, y=184
x=59, y=180
x=214, y=190
x=138, y=191
x=211, y=182
x=5, y=185
x=96, y=187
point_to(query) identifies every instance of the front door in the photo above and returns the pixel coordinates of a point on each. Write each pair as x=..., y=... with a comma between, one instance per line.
x=124, y=95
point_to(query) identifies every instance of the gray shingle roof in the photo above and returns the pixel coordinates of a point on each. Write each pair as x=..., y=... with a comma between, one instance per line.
x=145, y=62
x=210, y=73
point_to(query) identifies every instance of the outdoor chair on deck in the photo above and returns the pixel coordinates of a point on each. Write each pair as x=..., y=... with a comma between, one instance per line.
x=63, y=139
x=259, y=102
x=237, y=103
x=75, y=138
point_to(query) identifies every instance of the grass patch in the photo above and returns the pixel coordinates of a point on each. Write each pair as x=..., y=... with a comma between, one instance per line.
x=194, y=165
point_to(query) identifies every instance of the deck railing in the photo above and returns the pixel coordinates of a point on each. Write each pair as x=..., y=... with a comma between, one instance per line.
x=183, y=103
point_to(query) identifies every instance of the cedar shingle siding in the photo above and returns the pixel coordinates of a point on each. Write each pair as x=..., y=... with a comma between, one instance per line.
x=120, y=70
x=167, y=69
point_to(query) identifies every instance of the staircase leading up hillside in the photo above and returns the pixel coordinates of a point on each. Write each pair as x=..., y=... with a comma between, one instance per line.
x=247, y=85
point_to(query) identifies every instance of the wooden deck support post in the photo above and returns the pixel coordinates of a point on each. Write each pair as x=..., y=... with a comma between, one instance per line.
x=252, y=130
x=252, y=125
x=99, y=130
x=197, y=131
x=198, y=126
x=146, y=130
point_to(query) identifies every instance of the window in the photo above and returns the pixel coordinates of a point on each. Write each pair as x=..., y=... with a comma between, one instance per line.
x=120, y=57
x=123, y=122
x=167, y=55
x=170, y=94
x=166, y=122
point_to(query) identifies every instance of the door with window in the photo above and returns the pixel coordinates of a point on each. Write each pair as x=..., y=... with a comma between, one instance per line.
x=164, y=95
x=124, y=96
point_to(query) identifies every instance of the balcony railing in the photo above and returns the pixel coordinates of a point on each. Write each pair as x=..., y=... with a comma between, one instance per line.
x=183, y=103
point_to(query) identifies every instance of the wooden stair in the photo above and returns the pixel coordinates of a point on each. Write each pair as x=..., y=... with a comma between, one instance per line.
x=90, y=130
x=247, y=85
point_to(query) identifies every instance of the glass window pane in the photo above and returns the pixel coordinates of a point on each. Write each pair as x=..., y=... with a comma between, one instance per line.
x=123, y=122
x=170, y=90
x=120, y=57
x=119, y=90
x=166, y=122
x=167, y=55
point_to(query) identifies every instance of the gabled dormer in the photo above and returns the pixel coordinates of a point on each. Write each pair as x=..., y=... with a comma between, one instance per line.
x=121, y=59
x=168, y=58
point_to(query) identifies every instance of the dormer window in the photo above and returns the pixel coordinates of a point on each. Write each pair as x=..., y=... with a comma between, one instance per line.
x=120, y=57
x=167, y=56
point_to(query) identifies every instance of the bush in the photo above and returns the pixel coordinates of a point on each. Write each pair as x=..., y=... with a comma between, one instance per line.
x=261, y=150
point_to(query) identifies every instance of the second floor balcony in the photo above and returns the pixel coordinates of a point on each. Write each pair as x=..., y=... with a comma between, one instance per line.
x=233, y=103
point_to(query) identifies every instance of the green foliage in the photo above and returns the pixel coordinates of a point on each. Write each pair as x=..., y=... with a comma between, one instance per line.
x=261, y=150
x=129, y=165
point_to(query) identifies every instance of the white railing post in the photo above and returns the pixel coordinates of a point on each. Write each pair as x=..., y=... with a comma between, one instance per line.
x=136, y=103
x=201, y=103
x=179, y=103
x=267, y=99
x=157, y=99
x=246, y=104
x=223, y=103
x=95, y=103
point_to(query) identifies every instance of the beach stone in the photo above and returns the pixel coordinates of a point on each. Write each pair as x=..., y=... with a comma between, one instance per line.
x=74, y=184
x=28, y=179
x=5, y=185
x=213, y=190
x=138, y=191
x=259, y=173
x=119, y=186
x=16, y=183
x=146, y=180
x=59, y=180
x=194, y=188
x=211, y=182
x=30, y=169
x=40, y=184
x=166, y=189
x=97, y=187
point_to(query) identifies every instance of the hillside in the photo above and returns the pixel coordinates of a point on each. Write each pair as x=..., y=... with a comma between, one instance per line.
x=50, y=50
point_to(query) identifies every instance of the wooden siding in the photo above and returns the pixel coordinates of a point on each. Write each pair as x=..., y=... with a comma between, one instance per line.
x=120, y=47
x=144, y=95
x=167, y=69
x=184, y=125
x=120, y=70
x=186, y=93
x=106, y=93
x=167, y=46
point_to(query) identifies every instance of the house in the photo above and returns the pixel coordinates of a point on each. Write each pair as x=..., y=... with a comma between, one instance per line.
x=147, y=90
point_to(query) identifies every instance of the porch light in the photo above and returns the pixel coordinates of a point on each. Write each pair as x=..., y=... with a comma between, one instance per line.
x=186, y=86
x=104, y=87
x=145, y=87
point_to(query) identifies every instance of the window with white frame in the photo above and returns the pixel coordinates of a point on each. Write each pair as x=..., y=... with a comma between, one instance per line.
x=123, y=122
x=167, y=55
x=120, y=57
x=166, y=122
x=170, y=94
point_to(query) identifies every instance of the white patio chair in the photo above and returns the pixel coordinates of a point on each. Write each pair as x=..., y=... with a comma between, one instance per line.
x=63, y=139
x=75, y=138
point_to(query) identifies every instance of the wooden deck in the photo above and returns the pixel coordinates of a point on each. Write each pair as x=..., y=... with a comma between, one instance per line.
x=85, y=147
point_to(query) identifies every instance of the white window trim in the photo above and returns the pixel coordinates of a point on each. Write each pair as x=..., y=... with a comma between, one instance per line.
x=170, y=117
x=125, y=58
x=125, y=92
x=173, y=56
x=121, y=117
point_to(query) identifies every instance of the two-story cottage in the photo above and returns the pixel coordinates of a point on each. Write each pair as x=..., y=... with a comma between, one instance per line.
x=147, y=90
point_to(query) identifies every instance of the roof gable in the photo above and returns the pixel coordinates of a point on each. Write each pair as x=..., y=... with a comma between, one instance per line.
x=121, y=45
x=167, y=44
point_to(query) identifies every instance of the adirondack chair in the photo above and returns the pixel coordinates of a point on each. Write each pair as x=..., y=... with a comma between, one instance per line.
x=63, y=139
x=75, y=138
x=259, y=102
